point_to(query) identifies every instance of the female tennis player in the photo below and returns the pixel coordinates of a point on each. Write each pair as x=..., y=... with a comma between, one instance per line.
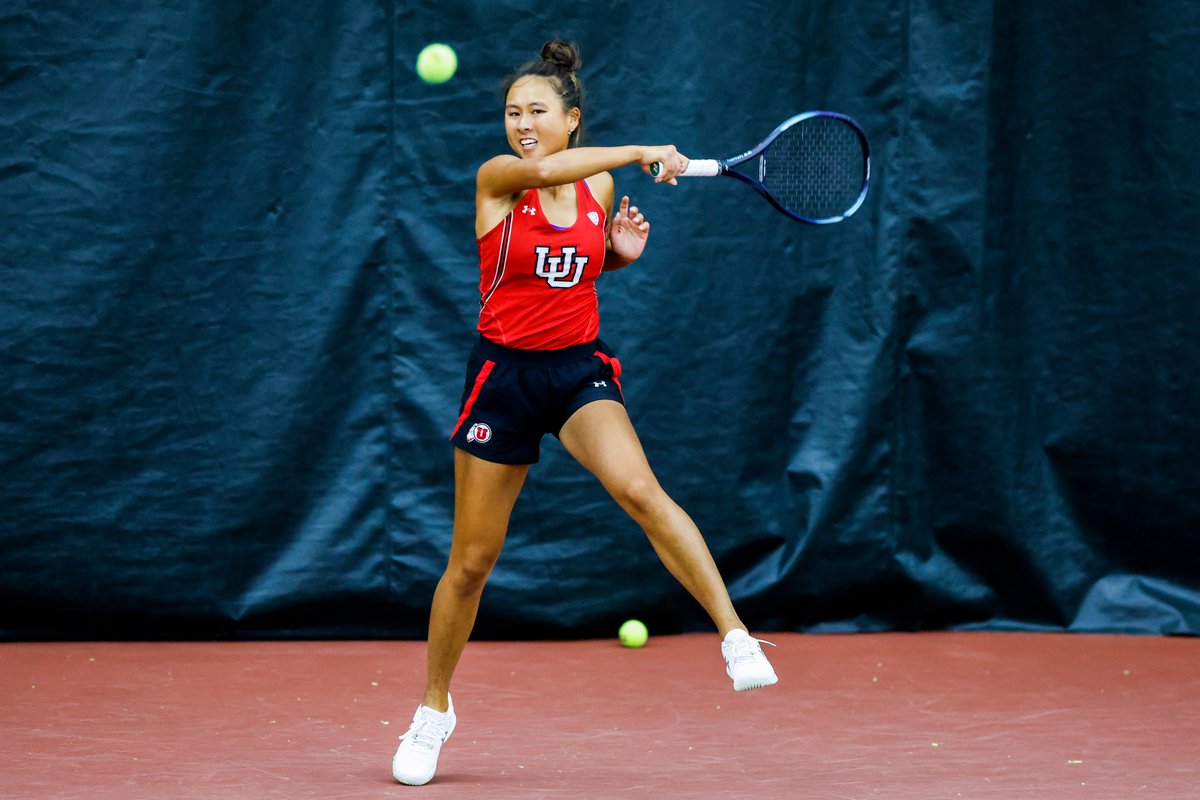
x=546, y=230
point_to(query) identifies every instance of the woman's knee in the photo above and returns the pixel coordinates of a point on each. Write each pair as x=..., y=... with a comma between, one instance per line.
x=467, y=572
x=641, y=496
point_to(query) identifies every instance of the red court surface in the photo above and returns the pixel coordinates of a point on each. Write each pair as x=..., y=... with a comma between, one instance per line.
x=887, y=716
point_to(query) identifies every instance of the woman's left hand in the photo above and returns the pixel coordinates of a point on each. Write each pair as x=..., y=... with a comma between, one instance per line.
x=628, y=232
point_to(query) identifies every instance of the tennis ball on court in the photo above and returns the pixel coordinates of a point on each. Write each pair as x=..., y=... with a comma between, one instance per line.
x=436, y=63
x=633, y=633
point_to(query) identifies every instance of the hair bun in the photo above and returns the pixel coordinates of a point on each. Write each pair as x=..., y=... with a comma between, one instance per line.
x=563, y=55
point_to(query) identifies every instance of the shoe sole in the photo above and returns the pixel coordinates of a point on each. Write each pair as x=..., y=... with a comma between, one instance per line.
x=409, y=780
x=759, y=683
x=413, y=783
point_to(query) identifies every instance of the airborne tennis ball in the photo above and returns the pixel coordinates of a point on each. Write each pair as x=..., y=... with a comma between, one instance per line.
x=436, y=63
x=633, y=633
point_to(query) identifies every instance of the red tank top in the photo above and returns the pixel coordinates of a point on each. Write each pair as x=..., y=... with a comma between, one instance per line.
x=537, y=282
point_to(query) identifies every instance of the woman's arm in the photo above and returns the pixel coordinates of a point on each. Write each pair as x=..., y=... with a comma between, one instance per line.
x=506, y=175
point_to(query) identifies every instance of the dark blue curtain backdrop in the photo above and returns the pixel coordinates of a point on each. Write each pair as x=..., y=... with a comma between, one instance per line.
x=239, y=286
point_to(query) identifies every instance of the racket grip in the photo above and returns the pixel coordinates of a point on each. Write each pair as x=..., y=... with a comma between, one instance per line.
x=696, y=168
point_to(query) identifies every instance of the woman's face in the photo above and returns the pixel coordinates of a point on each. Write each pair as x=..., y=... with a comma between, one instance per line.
x=535, y=120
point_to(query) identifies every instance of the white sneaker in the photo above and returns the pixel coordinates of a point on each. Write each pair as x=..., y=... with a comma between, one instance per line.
x=416, y=759
x=745, y=661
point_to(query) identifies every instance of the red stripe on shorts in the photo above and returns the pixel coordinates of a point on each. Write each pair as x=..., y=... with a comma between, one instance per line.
x=616, y=369
x=480, y=379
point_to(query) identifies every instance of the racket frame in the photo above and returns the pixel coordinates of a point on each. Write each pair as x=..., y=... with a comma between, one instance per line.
x=711, y=167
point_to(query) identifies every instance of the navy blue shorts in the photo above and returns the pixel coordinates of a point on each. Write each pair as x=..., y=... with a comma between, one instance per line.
x=512, y=398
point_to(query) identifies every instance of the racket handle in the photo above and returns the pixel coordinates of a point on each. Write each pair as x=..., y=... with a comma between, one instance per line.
x=696, y=168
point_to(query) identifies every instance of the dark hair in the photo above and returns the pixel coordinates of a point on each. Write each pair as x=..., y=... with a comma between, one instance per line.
x=558, y=64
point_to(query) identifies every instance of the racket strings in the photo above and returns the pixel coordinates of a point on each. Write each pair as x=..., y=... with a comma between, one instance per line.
x=816, y=168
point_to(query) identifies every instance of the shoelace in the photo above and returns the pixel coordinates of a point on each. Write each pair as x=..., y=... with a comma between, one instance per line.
x=747, y=649
x=425, y=734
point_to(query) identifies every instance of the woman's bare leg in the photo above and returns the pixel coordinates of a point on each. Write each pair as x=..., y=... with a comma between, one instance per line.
x=484, y=495
x=602, y=439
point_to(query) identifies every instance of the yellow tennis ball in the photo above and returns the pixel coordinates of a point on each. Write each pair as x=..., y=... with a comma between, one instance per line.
x=633, y=633
x=436, y=63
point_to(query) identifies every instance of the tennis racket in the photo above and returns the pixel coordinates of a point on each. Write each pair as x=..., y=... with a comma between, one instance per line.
x=815, y=167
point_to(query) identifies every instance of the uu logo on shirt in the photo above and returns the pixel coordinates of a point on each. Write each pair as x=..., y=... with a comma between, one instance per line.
x=561, y=272
x=480, y=432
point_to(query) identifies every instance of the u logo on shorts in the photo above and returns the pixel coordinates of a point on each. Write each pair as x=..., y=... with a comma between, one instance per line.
x=479, y=432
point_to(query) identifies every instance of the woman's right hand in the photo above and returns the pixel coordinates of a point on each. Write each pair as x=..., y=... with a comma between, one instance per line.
x=673, y=162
